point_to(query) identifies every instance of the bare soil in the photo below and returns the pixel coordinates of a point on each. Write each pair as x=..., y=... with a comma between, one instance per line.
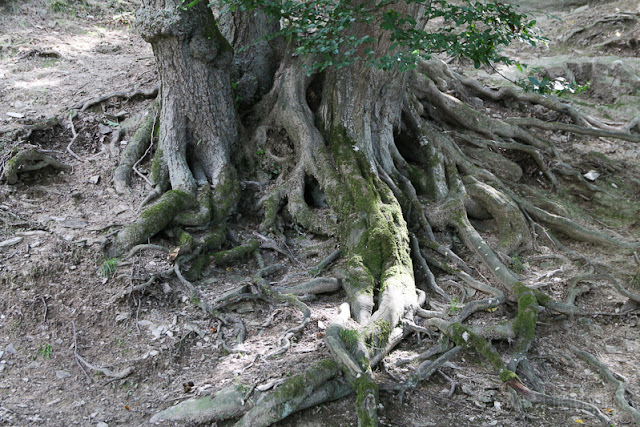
x=61, y=298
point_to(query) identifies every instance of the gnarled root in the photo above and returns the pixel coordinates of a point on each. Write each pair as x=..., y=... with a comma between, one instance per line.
x=135, y=150
x=153, y=220
x=30, y=160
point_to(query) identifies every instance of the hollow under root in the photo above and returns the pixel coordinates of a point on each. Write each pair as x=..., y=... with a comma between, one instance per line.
x=30, y=160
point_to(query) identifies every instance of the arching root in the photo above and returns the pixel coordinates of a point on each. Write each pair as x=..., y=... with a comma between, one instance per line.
x=153, y=220
x=135, y=150
x=30, y=160
x=619, y=384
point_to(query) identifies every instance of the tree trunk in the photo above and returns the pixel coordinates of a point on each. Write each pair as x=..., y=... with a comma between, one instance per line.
x=257, y=58
x=197, y=122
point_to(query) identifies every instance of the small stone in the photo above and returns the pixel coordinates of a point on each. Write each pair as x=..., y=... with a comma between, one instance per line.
x=591, y=175
x=15, y=115
x=104, y=129
x=122, y=316
x=95, y=179
x=102, y=424
x=75, y=223
x=610, y=348
x=573, y=395
x=11, y=349
x=62, y=375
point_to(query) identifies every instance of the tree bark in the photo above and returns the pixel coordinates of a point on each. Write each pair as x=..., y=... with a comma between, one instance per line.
x=197, y=122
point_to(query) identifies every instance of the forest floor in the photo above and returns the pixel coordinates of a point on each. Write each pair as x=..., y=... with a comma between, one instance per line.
x=62, y=301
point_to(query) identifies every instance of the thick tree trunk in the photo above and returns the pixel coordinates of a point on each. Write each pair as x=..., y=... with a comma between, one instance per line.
x=197, y=122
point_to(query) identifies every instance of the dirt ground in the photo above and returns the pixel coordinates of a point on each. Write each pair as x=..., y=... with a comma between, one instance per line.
x=62, y=301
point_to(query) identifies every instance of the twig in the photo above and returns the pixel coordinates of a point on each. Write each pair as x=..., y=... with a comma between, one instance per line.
x=75, y=136
x=44, y=316
x=75, y=352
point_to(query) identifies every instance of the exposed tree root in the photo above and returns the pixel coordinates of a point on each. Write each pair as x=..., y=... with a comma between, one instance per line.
x=353, y=180
x=27, y=161
x=135, y=150
x=603, y=133
x=619, y=384
x=74, y=136
x=146, y=94
x=152, y=220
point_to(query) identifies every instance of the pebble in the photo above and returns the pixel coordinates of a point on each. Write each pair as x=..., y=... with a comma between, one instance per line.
x=62, y=374
x=10, y=349
x=102, y=424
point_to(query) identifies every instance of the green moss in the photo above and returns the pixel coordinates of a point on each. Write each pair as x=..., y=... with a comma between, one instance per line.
x=364, y=386
x=524, y=325
x=463, y=336
x=271, y=207
x=542, y=298
x=197, y=266
x=226, y=194
x=213, y=240
x=157, y=168
x=350, y=338
x=172, y=201
x=185, y=239
x=507, y=375
x=419, y=180
x=228, y=256
x=293, y=389
x=381, y=331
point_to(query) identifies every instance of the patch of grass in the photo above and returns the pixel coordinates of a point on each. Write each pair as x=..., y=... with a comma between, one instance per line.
x=44, y=351
x=108, y=267
x=454, y=306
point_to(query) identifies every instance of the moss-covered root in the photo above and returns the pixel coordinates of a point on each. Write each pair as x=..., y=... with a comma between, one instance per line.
x=575, y=230
x=468, y=339
x=152, y=220
x=227, y=403
x=204, y=213
x=290, y=395
x=134, y=151
x=226, y=194
x=458, y=219
x=524, y=325
x=21, y=162
x=226, y=257
x=366, y=401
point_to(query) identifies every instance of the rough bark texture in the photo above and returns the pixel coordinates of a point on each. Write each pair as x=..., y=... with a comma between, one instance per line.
x=197, y=121
x=257, y=58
